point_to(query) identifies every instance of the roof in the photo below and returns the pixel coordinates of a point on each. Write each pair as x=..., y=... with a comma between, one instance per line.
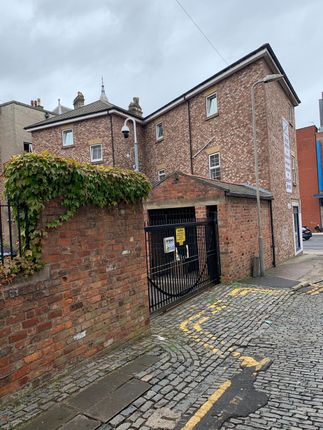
x=63, y=109
x=39, y=109
x=264, y=51
x=94, y=107
x=99, y=107
x=231, y=190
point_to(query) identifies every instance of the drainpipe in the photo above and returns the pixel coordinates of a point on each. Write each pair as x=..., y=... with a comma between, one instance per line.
x=112, y=141
x=272, y=232
x=190, y=134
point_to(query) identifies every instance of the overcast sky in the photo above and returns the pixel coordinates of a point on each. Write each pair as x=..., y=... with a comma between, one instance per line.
x=150, y=48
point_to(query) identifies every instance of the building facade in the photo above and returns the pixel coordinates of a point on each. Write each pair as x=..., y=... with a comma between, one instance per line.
x=310, y=165
x=206, y=132
x=14, y=116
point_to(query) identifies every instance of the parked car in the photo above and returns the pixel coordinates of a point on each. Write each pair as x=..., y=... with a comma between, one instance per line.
x=307, y=234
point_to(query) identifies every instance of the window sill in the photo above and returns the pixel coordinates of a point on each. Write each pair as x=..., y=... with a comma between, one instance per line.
x=97, y=162
x=68, y=146
x=159, y=140
x=212, y=116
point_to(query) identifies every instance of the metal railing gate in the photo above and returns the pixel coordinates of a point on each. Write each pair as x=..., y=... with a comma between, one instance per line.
x=182, y=258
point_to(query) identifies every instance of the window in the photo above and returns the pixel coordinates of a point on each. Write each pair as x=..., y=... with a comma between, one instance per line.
x=214, y=166
x=211, y=105
x=159, y=131
x=67, y=137
x=96, y=153
x=161, y=175
x=28, y=147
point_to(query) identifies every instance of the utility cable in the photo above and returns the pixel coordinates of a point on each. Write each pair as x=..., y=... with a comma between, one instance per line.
x=202, y=32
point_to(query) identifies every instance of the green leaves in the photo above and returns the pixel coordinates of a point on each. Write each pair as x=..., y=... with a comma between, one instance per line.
x=34, y=179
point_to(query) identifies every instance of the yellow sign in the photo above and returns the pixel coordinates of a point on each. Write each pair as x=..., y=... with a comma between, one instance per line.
x=180, y=235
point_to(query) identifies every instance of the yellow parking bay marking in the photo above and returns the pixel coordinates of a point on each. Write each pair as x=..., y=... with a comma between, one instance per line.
x=205, y=408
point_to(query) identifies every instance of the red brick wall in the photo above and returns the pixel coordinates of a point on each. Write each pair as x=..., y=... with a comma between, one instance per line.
x=308, y=182
x=94, y=284
x=278, y=107
x=105, y=130
x=238, y=236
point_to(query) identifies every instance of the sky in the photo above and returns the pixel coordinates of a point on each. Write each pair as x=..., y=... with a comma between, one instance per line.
x=151, y=49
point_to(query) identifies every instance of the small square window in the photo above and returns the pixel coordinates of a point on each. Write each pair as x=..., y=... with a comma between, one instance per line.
x=211, y=105
x=67, y=137
x=96, y=153
x=159, y=131
x=28, y=147
x=161, y=175
x=214, y=166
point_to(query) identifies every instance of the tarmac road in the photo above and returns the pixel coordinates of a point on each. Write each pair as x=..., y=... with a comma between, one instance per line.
x=314, y=244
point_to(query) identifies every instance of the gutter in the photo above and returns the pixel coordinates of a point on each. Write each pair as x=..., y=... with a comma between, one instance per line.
x=82, y=118
x=247, y=196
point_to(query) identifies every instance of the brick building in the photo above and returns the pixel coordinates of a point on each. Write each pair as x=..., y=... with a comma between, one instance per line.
x=310, y=164
x=204, y=133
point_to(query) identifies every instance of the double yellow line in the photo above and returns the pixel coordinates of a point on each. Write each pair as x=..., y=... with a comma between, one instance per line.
x=193, y=327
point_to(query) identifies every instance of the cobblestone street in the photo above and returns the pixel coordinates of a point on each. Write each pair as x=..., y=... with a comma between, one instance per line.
x=272, y=337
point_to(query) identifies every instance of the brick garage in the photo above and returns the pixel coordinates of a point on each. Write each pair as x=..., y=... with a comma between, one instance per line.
x=92, y=295
x=236, y=212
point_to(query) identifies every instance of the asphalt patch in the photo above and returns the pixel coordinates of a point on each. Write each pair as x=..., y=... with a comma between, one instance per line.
x=271, y=281
x=239, y=400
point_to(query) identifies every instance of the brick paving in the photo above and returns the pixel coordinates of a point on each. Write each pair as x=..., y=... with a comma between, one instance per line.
x=200, y=345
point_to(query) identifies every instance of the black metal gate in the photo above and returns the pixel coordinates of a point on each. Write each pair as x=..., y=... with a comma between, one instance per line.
x=182, y=257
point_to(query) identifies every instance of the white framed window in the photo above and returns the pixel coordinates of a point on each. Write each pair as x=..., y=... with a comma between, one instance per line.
x=96, y=153
x=161, y=175
x=159, y=131
x=214, y=166
x=67, y=137
x=28, y=147
x=211, y=105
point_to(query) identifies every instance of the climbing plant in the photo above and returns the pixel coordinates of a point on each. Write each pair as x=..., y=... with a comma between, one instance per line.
x=32, y=179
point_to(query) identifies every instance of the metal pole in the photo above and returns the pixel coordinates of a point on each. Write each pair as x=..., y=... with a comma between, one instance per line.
x=255, y=149
x=136, y=152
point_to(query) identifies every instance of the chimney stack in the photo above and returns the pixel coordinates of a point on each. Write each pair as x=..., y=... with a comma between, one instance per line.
x=79, y=100
x=134, y=107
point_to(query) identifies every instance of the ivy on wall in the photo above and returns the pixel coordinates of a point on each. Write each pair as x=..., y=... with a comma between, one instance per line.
x=34, y=179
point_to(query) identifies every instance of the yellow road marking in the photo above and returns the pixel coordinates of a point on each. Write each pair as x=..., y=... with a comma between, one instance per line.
x=252, y=362
x=314, y=291
x=204, y=409
x=244, y=291
x=245, y=361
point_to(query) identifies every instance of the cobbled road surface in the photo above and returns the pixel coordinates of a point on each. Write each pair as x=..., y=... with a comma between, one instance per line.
x=234, y=357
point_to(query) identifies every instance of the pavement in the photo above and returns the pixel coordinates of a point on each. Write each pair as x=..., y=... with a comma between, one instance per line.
x=247, y=355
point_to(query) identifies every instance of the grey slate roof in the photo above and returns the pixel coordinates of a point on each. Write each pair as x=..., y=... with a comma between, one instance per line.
x=94, y=107
x=231, y=190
